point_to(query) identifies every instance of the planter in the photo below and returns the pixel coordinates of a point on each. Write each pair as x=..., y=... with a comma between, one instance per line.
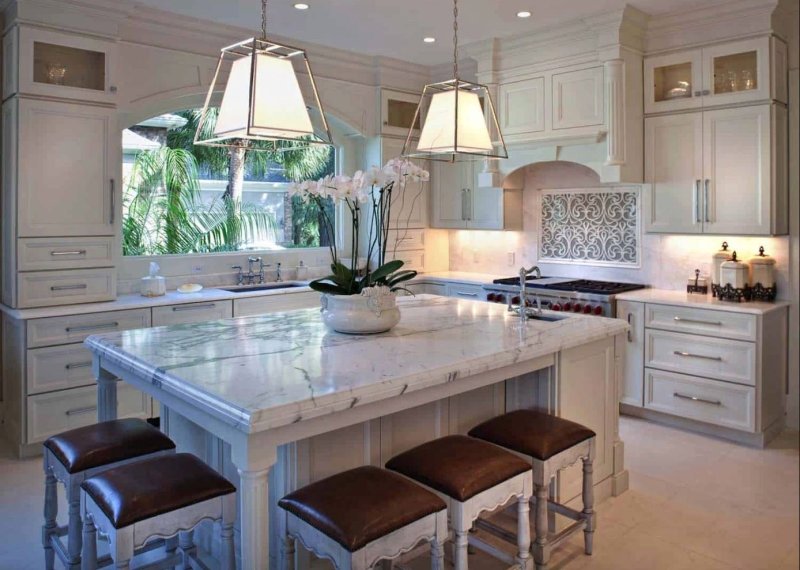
x=374, y=311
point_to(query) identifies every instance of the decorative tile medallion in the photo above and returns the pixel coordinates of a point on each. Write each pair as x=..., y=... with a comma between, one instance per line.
x=597, y=226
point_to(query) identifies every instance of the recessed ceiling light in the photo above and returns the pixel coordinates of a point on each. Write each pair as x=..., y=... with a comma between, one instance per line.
x=429, y=40
x=301, y=6
x=524, y=14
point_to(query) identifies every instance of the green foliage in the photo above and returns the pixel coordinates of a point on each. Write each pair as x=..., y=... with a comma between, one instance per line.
x=345, y=281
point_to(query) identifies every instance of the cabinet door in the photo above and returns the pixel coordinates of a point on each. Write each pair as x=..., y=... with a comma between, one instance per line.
x=397, y=111
x=736, y=72
x=578, y=98
x=485, y=208
x=521, y=106
x=631, y=389
x=448, y=193
x=192, y=313
x=65, y=181
x=673, y=170
x=673, y=82
x=737, y=167
x=409, y=204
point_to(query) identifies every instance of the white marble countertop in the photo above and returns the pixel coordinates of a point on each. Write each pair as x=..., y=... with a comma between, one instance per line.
x=669, y=297
x=463, y=277
x=263, y=372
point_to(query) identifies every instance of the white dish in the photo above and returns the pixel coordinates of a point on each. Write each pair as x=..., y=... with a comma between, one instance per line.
x=190, y=288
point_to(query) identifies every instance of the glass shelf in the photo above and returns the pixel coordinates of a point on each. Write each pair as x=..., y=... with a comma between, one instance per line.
x=736, y=72
x=68, y=66
x=672, y=82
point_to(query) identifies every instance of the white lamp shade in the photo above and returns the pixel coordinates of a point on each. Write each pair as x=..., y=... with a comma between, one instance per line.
x=279, y=110
x=439, y=131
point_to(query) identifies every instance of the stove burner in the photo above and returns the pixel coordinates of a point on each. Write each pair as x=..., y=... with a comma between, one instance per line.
x=596, y=287
x=515, y=280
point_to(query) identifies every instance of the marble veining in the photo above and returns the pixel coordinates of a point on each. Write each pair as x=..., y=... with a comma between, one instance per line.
x=272, y=370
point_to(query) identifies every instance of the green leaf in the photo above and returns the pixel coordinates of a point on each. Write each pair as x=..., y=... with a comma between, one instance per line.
x=404, y=289
x=399, y=277
x=385, y=270
x=321, y=286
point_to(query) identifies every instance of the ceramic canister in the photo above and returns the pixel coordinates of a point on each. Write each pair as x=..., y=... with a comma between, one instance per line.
x=718, y=259
x=762, y=269
x=734, y=273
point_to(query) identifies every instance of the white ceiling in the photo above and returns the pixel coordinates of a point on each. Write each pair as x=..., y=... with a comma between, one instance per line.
x=395, y=28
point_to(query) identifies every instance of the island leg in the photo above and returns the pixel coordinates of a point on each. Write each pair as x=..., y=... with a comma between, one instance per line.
x=253, y=464
x=106, y=392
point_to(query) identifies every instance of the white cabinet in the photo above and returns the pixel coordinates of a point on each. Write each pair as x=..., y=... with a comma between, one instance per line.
x=717, y=172
x=275, y=303
x=578, y=98
x=723, y=74
x=521, y=107
x=410, y=204
x=630, y=390
x=466, y=291
x=192, y=313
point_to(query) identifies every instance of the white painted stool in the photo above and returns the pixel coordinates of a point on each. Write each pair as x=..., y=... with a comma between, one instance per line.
x=163, y=497
x=75, y=455
x=472, y=476
x=359, y=517
x=551, y=444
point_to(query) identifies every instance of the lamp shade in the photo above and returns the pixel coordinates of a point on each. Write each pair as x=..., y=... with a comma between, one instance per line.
x=455, y=123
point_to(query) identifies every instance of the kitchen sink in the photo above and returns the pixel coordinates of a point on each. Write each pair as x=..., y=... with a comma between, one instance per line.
x=265, y=287
x=547, y=318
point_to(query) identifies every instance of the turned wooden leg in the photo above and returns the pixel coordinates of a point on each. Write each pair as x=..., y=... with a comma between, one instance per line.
x=50, y=514
x=460, y=549
x=588, y=504
x=228, y=549
x=89, y=555
x=523, y=533
x=541, y=547
x=186, y=543
x=75, y=532
x=123, y=565
x=437, y=554
x=289, y=552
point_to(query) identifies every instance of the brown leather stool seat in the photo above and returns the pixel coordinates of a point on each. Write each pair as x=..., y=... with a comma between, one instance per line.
x=532, y=433
x=359, y=506
x=105, y=443
x=458, y=466
x=144, y=489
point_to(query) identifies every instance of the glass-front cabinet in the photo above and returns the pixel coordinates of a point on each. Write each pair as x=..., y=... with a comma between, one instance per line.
x=723, y=74
x=53, y=64
x=397, y=112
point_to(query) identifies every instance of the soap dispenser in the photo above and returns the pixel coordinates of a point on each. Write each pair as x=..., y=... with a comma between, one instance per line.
x=154, y=285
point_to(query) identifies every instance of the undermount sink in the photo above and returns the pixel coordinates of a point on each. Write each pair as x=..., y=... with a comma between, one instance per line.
x=264, y=287
x=547, y=318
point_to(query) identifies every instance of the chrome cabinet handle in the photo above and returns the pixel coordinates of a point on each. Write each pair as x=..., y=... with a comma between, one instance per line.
x=698, y=93
x=690, y=355
x=195, y=307
x=630, y=324
x=76, y=252
x=706, y=92
x=463, y=204
x=696, y=399
x=466, y=294
x=682, y=320
x=697, y=201
x=68, y=287
x=80, y=411
x=73, y=365
x=111, y=190
x=469, y=204
x=92, y=327
x=706, y=198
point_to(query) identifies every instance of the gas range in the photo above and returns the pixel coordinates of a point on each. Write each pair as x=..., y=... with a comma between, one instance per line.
x=562, y=293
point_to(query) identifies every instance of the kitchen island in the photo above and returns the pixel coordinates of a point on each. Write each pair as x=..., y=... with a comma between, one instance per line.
x=276, y=401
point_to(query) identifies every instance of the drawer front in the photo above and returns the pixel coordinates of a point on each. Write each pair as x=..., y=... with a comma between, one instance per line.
x=412, y=259
x=718, y=403
x=39, y=254
x=75, y=328
x=55, y=412
x=730, y=360
x=275, y=303
x=192, y=313
x=402, y=240
x=702, y=321
x=462, y=291
x=58, y=367
x=48, y=288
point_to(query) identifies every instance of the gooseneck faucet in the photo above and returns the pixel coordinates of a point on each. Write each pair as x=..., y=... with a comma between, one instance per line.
x=522, y=310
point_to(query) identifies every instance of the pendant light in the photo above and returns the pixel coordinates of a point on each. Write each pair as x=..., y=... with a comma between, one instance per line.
x=460, y=120
x=262, y=101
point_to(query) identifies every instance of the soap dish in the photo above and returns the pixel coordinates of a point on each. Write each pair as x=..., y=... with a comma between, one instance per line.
x=190, y=288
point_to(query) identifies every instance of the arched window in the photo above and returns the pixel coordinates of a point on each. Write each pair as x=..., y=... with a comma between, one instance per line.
x=179, y=198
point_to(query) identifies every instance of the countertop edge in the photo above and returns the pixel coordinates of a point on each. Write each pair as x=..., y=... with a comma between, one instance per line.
x=680, y=298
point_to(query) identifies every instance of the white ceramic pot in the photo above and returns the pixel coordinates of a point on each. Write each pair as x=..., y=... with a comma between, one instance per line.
x=372, y=313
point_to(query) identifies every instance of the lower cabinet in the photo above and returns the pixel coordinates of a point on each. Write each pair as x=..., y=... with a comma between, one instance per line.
x=192, y=313
x=466, y=291
x=631, y=388
x=275, y=303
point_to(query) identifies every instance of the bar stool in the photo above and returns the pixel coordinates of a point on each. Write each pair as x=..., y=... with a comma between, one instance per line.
x=472, y=477
x=75, y=455
x=158, y=497
x=552, y=444
x=361, y=516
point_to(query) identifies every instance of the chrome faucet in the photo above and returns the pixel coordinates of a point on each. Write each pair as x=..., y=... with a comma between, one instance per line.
x=240, y=276
x=522, y=310
x=278, y=271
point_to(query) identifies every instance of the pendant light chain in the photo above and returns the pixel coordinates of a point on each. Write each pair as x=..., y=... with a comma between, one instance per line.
x=455, y=39
x=263, y=19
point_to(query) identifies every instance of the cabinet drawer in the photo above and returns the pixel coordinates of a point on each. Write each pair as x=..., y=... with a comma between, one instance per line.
x=192, y=313
x=702, y=321
x=462, y=291
x=52, y=413
x=275, y=303
x=58, y=367
x=48, y=288
x=75, y=328
x=411, y=259
x=730, y=360
x=719, y=403
x=401, y=240
x=37, y=254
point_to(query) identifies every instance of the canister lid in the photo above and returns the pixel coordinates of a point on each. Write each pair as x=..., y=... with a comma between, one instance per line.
x=762, y=258
x=723, y=254
x=733, y=263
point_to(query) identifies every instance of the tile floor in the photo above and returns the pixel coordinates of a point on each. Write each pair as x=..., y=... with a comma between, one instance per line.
x=694, y=502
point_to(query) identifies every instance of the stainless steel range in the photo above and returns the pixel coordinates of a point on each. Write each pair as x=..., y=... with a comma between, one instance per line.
x=562, y=294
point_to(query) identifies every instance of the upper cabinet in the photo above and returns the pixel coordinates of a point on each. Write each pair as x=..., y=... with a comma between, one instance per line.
x=521, y=107
x=397, y=112
x=723, y=74
x=578, y=99
x=409, y=205
x=53, y=64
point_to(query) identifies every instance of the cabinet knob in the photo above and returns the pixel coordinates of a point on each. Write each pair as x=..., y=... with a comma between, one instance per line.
x=113, y=88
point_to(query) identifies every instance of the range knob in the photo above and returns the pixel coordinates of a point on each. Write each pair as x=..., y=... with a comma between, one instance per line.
x=598, y=310
x=577, y=307
x=500, y=298
x=555, y=307
x=515, y=300
x=587, y=309
x=567, y=306
x=491, y=297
